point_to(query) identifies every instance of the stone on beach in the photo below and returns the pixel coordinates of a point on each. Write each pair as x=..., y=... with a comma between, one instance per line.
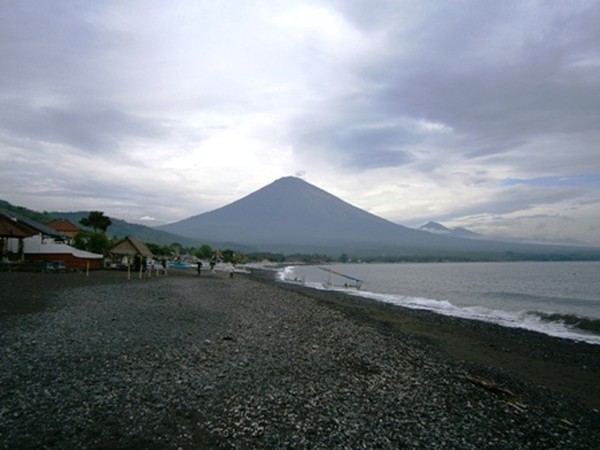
x=213, y=362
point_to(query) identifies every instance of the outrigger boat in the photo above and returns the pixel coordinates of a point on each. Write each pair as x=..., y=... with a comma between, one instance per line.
x=356, y=283
x=295, y=280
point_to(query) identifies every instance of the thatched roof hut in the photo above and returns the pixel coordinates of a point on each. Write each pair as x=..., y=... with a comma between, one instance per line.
x=131, y=246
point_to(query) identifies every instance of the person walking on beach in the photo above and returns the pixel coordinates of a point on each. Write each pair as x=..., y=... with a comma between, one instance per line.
x=199, y=263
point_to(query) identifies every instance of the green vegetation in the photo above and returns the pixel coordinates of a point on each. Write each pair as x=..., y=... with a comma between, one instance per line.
x=95, y=241
x=41, y=217
x=160, y=250
x=203, y=252
x=97, y=221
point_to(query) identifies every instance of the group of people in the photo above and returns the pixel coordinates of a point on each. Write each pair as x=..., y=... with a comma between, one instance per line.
x=212, y=264
x=156, y=265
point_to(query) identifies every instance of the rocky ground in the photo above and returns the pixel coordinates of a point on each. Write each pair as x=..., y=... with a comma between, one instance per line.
x=211, y=362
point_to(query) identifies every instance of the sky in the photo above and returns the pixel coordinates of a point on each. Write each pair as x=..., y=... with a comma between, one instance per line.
x=483, y=113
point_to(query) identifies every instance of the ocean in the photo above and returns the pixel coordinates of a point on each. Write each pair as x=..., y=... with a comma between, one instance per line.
x=560, y=299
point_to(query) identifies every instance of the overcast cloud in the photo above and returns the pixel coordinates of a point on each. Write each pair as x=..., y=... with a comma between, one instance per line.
x=482, y=114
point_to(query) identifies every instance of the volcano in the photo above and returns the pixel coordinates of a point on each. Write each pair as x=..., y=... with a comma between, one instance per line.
x=291, y=215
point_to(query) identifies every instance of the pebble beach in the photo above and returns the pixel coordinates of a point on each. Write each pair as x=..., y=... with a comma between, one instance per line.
x=187, y=362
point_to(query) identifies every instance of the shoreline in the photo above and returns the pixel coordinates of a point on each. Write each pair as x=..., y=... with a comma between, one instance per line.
x=564, y=365
x=577, y=323
x=210, y=362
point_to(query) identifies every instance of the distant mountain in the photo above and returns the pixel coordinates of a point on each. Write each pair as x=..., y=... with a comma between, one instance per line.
x=438, y=228
x=435, y=227
x=291, y=215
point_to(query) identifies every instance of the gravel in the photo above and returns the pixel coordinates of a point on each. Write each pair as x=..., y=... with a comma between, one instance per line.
x=212, y=362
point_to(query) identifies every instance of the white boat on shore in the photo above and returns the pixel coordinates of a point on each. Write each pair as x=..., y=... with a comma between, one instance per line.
x=295, y=280
x=353, y=283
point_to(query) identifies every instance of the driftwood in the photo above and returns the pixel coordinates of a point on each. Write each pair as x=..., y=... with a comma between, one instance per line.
x=520, y=407
x=509, y=396
x=568, y=423
x=489, y=385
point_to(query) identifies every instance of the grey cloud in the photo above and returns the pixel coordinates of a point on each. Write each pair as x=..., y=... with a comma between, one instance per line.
x=516, y=82
x=360, y=145
x=518, y=198
x=515, y=203
x=88, y=128
x=55, y=191
x=532, y=91
x=488, y=146
x=52, y=48
x=46, y=181
x=57, y=85
x=452, y=70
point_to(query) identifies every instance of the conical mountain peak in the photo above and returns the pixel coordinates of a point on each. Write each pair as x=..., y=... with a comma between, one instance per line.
x=288, y=212
x=291, y=215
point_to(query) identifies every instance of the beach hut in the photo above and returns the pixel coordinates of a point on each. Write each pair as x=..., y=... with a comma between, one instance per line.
x=134, y=250
x=131, y=246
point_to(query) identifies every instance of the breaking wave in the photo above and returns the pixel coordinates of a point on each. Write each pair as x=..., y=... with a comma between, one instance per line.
x=567, y=326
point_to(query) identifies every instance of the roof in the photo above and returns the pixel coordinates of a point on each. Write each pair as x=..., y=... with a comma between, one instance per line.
x=38, y=247
x=62, y=225
x=14, y=229
x=131, y=246
x=29, y=224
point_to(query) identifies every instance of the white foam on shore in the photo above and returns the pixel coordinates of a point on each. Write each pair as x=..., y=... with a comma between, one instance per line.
x=512, y=319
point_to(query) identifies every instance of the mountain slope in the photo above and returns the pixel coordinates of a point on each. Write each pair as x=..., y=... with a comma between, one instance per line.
x=291, y=215
x=118, y=228
x=121, y=228
x=288, y=212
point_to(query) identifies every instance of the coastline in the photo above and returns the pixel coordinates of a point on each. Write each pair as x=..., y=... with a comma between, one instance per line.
x=186, y=361
x=566, y=366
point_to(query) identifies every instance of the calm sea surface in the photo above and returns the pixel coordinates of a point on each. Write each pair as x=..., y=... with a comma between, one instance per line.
x=556, y=298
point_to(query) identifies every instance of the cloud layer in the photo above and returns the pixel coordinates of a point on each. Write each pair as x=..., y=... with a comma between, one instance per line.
x=479, y=114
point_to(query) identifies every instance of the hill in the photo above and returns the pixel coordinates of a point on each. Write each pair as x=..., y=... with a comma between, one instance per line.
x=119, y=228
x=293, y=216
x=438, y=228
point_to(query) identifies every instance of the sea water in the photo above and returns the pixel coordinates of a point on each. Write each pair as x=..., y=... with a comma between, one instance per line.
x=559, y=299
